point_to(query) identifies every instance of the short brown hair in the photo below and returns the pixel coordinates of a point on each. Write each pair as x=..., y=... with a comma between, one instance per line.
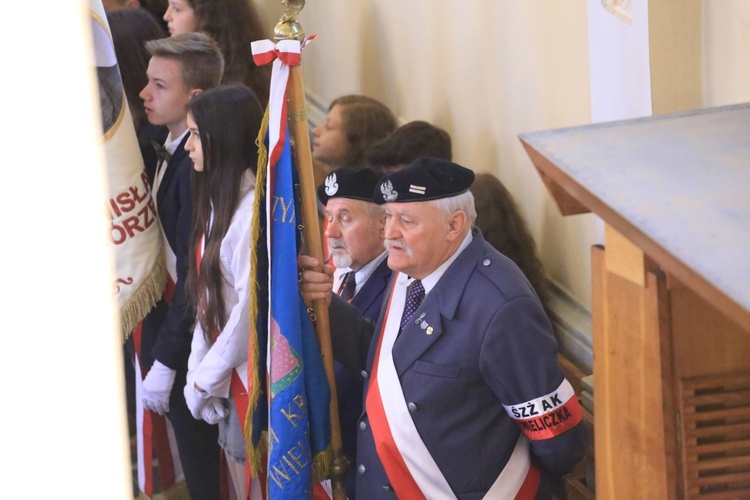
x=407, y=143
x=366, y=120
x=201, y=62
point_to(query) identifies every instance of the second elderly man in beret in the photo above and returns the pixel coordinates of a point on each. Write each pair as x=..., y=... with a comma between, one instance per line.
x=354, y=232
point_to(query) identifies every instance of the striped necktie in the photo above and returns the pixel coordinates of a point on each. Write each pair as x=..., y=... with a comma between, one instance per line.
x=348, y=286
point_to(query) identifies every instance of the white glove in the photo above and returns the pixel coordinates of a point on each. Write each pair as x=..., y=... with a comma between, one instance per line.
x=195, y=400
x=213, y=412
x=156, y=388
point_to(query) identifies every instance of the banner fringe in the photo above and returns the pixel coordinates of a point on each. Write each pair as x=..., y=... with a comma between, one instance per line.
x=254, y=455
x=322, y=461
x=145, y=297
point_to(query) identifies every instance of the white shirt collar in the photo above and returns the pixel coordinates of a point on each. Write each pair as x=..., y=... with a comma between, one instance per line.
x=171, y=144
x=429, y=281
x=361, y=276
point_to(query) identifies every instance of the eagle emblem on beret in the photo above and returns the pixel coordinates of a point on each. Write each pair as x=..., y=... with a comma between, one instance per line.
x=332, y=186
x=389, y=194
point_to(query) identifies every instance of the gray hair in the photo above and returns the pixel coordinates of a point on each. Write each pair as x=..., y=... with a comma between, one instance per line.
x=464, y=202
x=374, y=210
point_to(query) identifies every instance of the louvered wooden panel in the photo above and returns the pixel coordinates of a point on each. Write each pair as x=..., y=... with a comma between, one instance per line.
x=715, y=435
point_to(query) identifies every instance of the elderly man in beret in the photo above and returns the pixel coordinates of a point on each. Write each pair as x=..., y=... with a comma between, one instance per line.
x=465, y=397
x=354, y=233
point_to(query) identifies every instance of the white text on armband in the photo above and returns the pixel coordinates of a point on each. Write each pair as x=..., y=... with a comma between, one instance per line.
x=549, y=415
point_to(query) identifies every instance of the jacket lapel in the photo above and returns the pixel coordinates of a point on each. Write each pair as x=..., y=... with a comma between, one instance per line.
x=373, y=288
x=426, y=326
x=171, y=167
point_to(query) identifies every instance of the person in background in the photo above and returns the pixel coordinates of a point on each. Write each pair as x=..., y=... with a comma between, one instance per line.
x=503, y=227
x=180, y=68
x=354, y=236
x=465, y=395
x=407, y=143
x=113, y=5
x=223, y=123
x=155, y=7
x=353, y=123
x=234, y=24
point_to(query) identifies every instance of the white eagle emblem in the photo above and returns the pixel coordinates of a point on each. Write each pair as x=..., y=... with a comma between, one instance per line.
x=389, y=194
x=331, y=186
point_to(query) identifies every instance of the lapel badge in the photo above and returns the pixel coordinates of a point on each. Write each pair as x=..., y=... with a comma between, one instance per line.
x=429, y=330
x=423, y=325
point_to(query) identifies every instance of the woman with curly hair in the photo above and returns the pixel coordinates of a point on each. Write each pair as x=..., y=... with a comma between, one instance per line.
x=234, y=25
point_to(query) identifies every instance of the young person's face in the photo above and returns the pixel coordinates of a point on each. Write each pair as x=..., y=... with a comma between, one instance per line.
x=180, y=17
x=193, y=145
x=329, y=140
x=166, y=95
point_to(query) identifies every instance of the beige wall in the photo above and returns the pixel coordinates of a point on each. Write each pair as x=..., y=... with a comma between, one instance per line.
x=487, y=71
x=726, y=50
x=484, y=71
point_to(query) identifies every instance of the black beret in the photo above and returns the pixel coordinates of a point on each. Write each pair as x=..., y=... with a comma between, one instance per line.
x=349, y=183
x=424, y=179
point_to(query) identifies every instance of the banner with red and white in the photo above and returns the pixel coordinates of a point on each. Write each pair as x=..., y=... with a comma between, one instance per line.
x=140, y=272
x=140, y=267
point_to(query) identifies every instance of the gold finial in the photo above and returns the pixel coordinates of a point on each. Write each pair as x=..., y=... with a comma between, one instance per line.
x=288, y=28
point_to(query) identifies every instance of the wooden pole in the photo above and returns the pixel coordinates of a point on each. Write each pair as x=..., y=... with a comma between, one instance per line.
x=297, y=119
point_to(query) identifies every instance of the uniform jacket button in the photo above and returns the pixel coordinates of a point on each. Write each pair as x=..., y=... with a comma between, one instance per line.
x=412, y=407
x=364, y=374
x=363, y=426
x=361, y=469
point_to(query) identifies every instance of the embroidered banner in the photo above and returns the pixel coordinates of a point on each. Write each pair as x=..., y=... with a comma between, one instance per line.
x=298, y=431
x=140, y=272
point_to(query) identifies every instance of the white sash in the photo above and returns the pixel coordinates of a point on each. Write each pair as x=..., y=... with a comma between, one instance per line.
x=171, y=258
x=416, y=456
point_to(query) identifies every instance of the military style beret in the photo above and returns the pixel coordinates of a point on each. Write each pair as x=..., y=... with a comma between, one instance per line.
x=349, y=183
x=424, y=179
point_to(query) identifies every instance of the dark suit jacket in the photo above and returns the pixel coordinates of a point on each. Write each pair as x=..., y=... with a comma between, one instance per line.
x=349, y=382
x=168, y=329
x=369, y=299
x=490, y=344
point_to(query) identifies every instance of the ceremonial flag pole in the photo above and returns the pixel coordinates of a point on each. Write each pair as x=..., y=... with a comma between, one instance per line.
x=289, y=28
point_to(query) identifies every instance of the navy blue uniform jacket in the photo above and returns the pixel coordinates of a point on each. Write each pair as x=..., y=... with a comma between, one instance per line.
x=491, y=344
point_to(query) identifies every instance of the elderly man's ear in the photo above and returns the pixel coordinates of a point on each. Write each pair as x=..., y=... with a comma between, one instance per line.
x=456, y=224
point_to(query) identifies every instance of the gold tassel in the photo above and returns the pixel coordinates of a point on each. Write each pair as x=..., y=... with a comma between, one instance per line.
x=254, y=455
x=321, y=468
x=145, y=297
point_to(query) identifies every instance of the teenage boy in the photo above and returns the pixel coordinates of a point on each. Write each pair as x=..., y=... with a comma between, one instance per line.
x=180, y=68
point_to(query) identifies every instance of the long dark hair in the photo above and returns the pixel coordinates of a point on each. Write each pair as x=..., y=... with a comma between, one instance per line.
x=228, y=119
x=504, y=227
x=235, y=24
